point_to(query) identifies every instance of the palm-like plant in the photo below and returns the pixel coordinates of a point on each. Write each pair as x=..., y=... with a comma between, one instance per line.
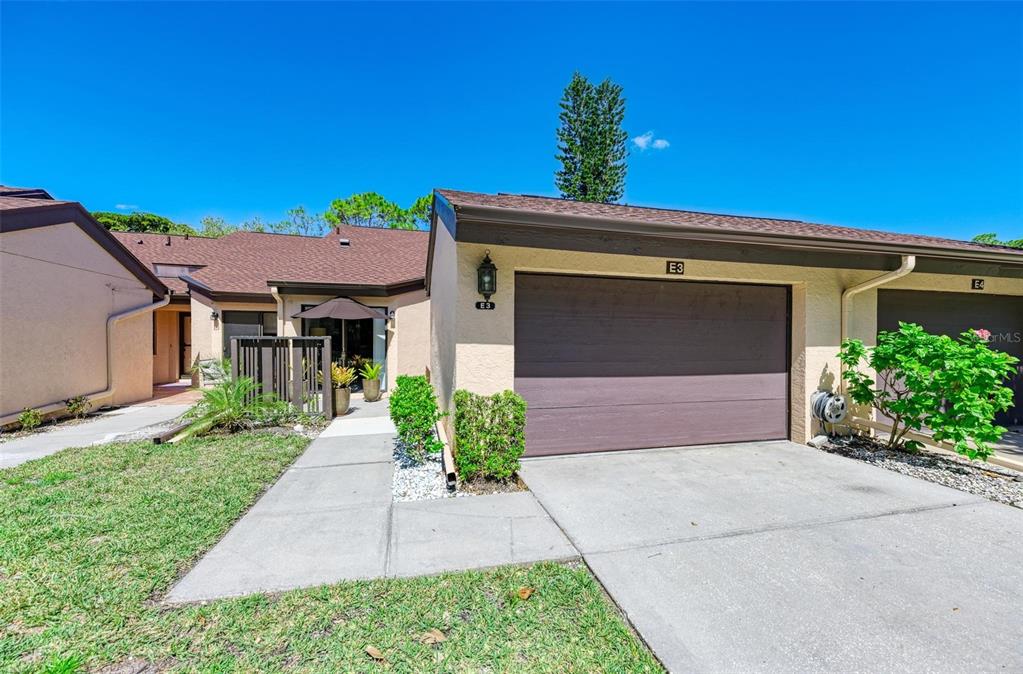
x=233, y=405
x=341, y=376
x=371, y=370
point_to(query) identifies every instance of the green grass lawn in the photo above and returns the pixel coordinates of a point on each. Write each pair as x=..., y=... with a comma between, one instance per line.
x=91, y=538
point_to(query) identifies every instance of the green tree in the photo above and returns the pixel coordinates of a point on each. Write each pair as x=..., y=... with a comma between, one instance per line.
x=369, y=209
x=420, y=210
x=954, y=387
x=299, y=221
x=993, y=240
x=216, y=226
x=140, y=222
x=591, y=141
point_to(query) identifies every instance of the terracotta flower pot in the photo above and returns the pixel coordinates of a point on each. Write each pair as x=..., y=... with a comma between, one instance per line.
x=342, y=399
x=371, y=390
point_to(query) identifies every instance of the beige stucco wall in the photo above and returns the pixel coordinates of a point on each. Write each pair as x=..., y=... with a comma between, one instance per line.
x=444, y=298
x=477, y=347
x=57, y=289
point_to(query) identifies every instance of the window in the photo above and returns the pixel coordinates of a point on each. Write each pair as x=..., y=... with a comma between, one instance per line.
x=247, y=324
x=174, y=270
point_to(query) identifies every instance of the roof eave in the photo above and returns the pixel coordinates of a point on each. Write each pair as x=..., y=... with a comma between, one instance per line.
x=509, y=216
x=365, y=289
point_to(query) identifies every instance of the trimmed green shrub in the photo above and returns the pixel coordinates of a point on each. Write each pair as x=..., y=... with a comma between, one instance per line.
x=414, y=412
x=29, y=419
x=954, y=387
x=490, y=434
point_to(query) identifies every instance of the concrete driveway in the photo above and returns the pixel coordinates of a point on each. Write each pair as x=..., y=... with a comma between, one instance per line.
x=778, y=557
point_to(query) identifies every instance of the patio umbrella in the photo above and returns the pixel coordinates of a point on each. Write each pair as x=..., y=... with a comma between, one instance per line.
x=342, y=307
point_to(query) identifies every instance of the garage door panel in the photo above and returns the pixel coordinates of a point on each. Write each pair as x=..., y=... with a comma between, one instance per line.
x=609, y=363
x=600, y=428
x=602, y=298
x=671, y=347
x=547, y=393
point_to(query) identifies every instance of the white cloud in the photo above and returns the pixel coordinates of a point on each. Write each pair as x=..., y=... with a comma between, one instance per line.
x=126, y=207
x=647, y=141
x=643, y=142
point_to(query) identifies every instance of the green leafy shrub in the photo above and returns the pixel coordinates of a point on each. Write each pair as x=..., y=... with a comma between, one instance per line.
x=233, y=406
x=29, y=419
x=954, y=387
x=490, y=434
x=78, y=406
x=414, y=411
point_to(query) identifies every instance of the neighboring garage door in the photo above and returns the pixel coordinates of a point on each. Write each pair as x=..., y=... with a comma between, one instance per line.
x=954, y=313
x=611, y=363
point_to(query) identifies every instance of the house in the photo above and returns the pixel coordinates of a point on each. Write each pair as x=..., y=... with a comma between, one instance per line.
x=75, y=308
x=254, y=284
x=627, y=327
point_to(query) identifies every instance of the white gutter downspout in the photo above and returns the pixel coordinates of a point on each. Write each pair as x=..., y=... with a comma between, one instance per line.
x=112, y=320
x=280, y=310
x=907, y=266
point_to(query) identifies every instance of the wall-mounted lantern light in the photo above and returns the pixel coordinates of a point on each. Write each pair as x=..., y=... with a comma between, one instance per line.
x=215, y=315
x=486, y=277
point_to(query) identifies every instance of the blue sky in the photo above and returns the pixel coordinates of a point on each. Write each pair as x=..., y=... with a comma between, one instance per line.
x=904, y=117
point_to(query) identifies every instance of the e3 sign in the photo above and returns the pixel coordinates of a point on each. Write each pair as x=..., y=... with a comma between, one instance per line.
x=675, y=267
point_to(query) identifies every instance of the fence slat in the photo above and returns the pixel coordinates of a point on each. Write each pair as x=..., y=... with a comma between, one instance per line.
x=296, y=369
x=328, y=386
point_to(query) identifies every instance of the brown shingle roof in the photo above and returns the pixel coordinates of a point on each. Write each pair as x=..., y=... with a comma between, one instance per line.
x=17, y=203
x=24, y=192
x=708, y=221
x=243, y=262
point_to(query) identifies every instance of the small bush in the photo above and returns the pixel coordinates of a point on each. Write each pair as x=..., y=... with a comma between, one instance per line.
x=490, y=434
x=78, y=406
x=952, y=386
x=29, y=419
x=414, y=412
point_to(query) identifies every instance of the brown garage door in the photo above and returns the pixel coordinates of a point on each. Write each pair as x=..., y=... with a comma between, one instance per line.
x=953, y=313
x=607, y=363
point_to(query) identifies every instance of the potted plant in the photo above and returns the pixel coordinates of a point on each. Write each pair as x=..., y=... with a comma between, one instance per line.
x=370, y=374
x=341, y=379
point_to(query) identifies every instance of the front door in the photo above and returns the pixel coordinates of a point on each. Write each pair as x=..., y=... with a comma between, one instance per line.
x=185, y=340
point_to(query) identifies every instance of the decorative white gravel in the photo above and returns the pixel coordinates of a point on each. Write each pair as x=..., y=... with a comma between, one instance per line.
x=419, y=481
x=983, y=479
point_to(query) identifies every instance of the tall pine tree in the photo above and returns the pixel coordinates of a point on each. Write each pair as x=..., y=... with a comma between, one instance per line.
x=591, y=141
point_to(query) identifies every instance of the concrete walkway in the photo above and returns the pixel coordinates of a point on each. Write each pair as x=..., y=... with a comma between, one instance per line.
x=774, y=557
x=1010, y=447
x=104, y=427
x=331, y=517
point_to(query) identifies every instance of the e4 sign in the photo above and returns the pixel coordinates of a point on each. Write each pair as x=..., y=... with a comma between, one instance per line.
x=977, y=284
